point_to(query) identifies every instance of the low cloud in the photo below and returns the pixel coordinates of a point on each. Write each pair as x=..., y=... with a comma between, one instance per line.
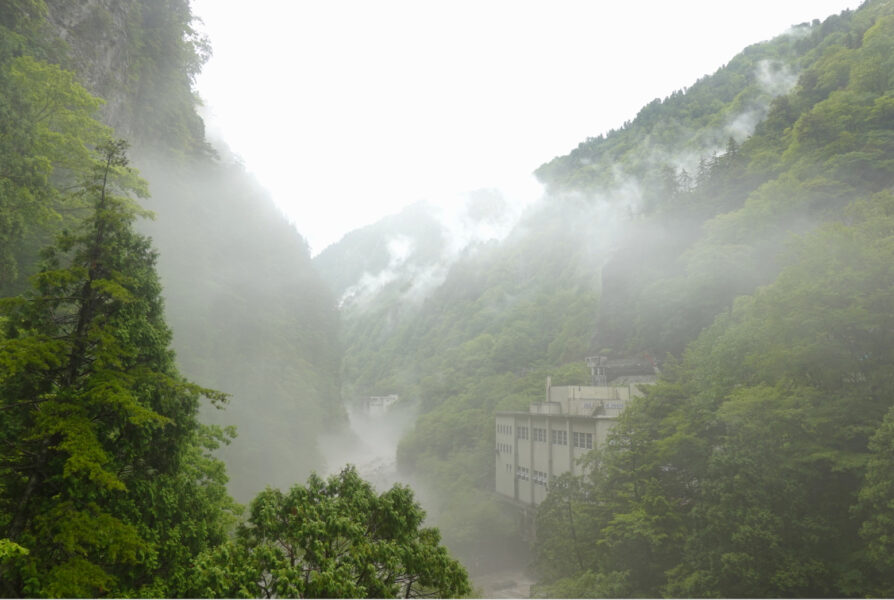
x=466, y=221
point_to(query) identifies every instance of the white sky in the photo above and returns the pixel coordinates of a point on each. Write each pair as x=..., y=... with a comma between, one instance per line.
x=349, y=110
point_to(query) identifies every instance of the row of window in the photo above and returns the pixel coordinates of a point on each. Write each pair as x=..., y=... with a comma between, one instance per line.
x=557, y=436
x=501, y=447
x=583, y=440
x=536, y=477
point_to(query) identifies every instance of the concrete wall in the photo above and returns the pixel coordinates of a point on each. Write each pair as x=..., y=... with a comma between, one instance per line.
x=505, y=456
x=523, y=464
x=518, y=461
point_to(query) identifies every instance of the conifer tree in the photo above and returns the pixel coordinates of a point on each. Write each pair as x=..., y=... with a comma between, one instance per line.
x=101, y=459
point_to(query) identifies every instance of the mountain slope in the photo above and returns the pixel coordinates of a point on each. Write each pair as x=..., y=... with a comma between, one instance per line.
x=644, y=237
x=250, y=315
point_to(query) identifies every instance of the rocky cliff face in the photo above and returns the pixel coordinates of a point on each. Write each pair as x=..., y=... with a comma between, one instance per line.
x=250, y=315
x=141, y=57
x=99, y=39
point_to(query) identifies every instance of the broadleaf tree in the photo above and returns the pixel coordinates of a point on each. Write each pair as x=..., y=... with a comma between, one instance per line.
x=334, y=538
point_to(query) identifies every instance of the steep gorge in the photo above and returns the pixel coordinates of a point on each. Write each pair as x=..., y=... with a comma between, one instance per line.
x=249, y=313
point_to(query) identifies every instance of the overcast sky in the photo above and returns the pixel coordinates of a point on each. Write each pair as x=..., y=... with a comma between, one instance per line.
x=349, y=110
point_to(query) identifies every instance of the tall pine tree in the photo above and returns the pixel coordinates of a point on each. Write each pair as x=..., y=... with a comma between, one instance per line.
x=104, y=483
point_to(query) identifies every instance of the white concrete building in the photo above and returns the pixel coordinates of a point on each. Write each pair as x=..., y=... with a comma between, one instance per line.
x=533, y=447
x=378, y=405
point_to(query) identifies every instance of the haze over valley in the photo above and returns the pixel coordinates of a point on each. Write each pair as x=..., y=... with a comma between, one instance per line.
x=495, y=301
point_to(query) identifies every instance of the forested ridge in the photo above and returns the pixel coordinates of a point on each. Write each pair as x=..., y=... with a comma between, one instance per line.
x=111, y=484
x=217, y=230
x=738, y=233
x=755, y=467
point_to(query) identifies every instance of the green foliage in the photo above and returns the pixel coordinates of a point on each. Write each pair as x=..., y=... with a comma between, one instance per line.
x=216, y=233
x=114, y=432
x=503, y=318
x=823, y=145
x=586, y=585
x=567, y=517
x=876, y=508
x=142, y=57
x=46, y=128
x=756, y=468
x=767, y=442
x=99, y=429
x=169, y=54
x=332, y=539
x=761, y=257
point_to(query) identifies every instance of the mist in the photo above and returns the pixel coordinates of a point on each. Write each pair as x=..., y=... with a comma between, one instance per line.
x=324, y=334
x=250, y=316
x=657, y=364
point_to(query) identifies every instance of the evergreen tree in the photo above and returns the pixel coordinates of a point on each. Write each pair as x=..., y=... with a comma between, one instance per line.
x=101, y=450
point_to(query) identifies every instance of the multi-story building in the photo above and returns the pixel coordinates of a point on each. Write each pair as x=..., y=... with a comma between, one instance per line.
x=533, y=447
x=378, y=405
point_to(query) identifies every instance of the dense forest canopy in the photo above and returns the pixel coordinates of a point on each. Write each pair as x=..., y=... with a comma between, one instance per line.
x=739, y=234
x=724, y=232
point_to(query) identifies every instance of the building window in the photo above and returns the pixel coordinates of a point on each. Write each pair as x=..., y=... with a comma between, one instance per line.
x=501, y=447
x=539, y=434
x=558, y=437
x=583, y=440
x=522, y=432
x=523, y=473
x=539, y=478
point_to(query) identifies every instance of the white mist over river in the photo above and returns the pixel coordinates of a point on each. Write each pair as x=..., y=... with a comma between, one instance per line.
x=369, y=443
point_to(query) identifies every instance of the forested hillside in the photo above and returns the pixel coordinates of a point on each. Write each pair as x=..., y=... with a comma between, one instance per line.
x=110, y=484
x=734, y=232
x=739, y=233
x=249, y=313
x=761, y=465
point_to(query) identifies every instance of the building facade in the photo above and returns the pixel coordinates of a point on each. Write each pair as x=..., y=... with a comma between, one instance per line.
x=535, y=446
x=377, y=405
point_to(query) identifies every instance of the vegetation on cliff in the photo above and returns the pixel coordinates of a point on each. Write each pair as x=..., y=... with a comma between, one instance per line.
x=109, y=483
x=767, y=183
